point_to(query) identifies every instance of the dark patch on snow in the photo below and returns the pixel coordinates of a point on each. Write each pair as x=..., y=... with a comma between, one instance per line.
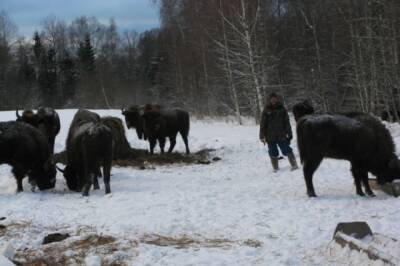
x=216, y=159
x=2, y=228
x=56, y=237
x=184, y=242
x=74, y=251
x=143, y=160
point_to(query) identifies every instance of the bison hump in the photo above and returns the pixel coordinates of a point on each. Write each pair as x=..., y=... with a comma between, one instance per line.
x=339, y=120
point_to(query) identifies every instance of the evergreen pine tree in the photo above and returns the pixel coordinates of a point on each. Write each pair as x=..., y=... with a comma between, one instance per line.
x=88, y=87
x=37, y=46
x=68, y=77
x=86, y=56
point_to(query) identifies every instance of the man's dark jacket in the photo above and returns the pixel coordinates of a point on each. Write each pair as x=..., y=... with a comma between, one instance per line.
x=275, y=125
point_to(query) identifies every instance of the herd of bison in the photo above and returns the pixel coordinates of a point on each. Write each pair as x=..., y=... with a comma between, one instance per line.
x=93, y=142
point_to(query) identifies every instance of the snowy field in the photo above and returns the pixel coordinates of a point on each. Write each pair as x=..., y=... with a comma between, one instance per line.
x=232, y=212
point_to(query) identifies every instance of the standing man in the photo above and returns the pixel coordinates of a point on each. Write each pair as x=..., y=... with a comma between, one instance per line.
x=275, y=130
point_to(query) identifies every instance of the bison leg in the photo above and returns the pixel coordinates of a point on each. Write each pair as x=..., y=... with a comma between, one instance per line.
x=152, y=142
x=161, y=142
x=185, y=140
x=107, y=176
x=357, y=174
x=86, y=178
x=19, y=175
x=95, y=182
x=309, y=168
x=172, y=143
x=87, y=186
x=364, y=179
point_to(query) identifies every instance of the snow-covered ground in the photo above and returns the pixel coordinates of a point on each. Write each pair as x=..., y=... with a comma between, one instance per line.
x=262, y=217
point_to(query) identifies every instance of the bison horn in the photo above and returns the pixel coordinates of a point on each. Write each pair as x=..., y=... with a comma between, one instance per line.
x=59, y=169
x=17, y=114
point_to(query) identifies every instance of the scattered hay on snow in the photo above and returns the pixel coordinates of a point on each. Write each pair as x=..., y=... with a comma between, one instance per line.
x=184, y=241
x=75, y=247
x=143, y=160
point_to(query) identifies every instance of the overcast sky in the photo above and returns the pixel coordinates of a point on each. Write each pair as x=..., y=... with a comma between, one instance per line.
x=129, y=14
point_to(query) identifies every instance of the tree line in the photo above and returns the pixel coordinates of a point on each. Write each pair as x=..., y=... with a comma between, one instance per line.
x=226, y=56
x=81, y=64
x=214, y=57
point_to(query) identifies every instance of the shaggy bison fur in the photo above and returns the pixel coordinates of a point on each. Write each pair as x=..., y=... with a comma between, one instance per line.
x=159, y=125
x=358, y=138
x=134, y=119
x=89, y=147
x=45, y=119
x=27, y=151
x=121, y=147
x=155, y=124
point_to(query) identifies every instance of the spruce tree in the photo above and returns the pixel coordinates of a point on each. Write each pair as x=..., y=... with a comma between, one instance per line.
x=37, y=46
x=68, y=77
x=86, y=56
x=88, y=87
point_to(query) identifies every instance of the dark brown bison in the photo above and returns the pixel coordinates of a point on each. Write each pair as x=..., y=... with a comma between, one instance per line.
x=46, y=120
x=81, y=117
x=358, y=138
x=156, y=124
x=159, y=125
x=89, y=147
x=121, y=147
x=27, y=151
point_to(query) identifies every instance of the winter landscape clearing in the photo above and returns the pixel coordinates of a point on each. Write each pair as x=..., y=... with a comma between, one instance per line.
x=231, y=212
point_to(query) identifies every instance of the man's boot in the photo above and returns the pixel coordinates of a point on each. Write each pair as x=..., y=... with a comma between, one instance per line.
x=275, y=165
x=292, y=161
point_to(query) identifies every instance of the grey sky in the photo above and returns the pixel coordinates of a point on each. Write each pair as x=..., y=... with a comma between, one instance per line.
x=129, y=14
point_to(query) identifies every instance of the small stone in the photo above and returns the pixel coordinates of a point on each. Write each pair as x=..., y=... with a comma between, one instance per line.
x=216, y=159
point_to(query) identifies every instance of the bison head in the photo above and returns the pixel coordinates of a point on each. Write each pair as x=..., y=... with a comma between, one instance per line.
x=134, y=119
x=393, y=171
x=28, y=116
x=302, y=109
x=71, y=178
x=44, y=177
